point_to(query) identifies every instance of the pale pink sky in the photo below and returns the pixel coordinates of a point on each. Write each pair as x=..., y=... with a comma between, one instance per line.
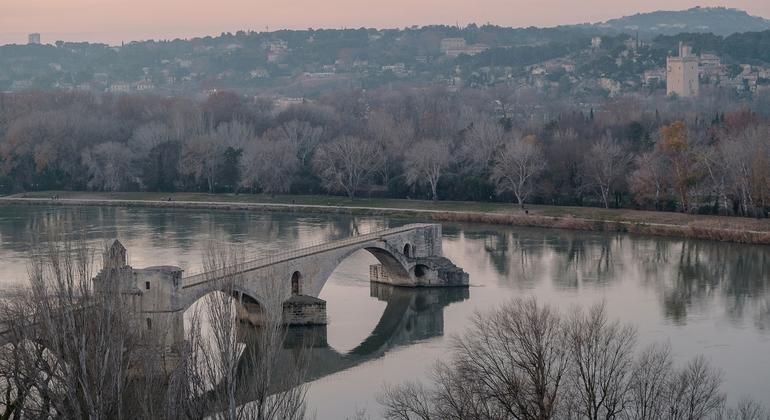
x=113, y=21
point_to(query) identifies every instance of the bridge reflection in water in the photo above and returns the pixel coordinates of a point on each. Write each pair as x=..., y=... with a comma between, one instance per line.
x=411, y=315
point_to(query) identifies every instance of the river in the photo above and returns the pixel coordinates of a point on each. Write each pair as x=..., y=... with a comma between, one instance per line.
x=701, y=297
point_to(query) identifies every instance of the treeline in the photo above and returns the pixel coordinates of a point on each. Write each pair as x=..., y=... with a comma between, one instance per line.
x=708, y=156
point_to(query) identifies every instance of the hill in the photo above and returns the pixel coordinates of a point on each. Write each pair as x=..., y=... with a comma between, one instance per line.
x=717, y=20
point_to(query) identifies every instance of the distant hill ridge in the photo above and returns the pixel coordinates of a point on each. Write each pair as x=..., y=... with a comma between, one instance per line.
x=717, y=20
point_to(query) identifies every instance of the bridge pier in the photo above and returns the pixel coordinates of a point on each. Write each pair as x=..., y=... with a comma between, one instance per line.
x=298, y=310
x=427, y=272
x=301, y=310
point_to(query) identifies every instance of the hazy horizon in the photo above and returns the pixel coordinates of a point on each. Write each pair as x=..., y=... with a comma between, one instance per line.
x=116, y=21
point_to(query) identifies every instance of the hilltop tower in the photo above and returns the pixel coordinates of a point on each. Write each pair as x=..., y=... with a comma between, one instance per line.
x=682, y=73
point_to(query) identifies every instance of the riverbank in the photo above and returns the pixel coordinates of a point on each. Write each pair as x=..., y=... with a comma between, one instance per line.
x=728, y=229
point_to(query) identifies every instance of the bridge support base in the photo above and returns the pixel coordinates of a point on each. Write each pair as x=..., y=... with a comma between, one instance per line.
x=304, y=310
x=427, y=272
x=298, y=310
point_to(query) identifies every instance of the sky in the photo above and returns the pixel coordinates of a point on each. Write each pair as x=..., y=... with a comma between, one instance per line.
x=114, y=21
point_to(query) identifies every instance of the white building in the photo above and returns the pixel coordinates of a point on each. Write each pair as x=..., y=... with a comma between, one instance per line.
x=711, y=65
x=682, y=73
x=453, y=47
x=449, y=44
x=144, y=85
x=33, y=39
x=119, y=87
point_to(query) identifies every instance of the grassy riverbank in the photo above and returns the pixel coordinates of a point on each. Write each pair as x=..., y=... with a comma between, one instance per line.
x=731, y=229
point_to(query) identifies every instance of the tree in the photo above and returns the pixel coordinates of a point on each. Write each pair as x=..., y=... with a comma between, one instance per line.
x=601, y=355
x=605, y=164
x=425, y=162
x=230, y=169
x=243, y=362
x=527, y=361
x=517, y=166
x=649, y=382
x=270, y=165
x=693, y=391
x=201, y=158
x=222, y=107
x=676, y=148
x=346, y=163
x=77, y=350
x=481, y=143
x=649, y=181
x=77, y=339
x=509, y=365
x=303, y=136
x=110, y=166
x=747, y=159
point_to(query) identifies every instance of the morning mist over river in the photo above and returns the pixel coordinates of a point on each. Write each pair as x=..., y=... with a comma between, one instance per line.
x=702, y=297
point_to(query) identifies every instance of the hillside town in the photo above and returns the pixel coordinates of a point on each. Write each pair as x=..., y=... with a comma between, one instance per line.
x=291, y=65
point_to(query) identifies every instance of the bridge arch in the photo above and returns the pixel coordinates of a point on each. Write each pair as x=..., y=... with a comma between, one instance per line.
x=395, y=263
x=420, y=270
x=296, y=283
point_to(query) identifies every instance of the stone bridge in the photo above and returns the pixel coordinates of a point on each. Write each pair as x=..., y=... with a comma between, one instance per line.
x=409, y=256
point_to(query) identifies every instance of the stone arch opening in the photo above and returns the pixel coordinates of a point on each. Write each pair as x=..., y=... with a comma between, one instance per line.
x=420, y=270
x=296, y=283
x=408, y=250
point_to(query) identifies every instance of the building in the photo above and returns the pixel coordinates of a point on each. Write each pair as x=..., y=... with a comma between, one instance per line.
x=453, y=47
x=596, y=42
x=711, y=66
x=33, y=39
x=450, y=44
x=653, y=77
x=144, y=85
x=119, y=87
x=682, y=73
x=399, y=69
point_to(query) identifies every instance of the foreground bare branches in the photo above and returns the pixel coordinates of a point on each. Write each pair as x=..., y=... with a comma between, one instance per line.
x=74, y=348
x=527, y=361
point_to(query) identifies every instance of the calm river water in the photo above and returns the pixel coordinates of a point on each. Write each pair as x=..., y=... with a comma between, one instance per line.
x=702, y=297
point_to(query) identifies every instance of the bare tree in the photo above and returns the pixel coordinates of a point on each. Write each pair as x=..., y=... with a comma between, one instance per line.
x=110, y=166
x=649, y=382
x=304, y=137
x=393, y=137
x=482, y=142
x=76, y=337
x=746, y=409
x=746, y=159
x=518, y=355
x=606, y=163
x=676, y=146
x=270, y=165
x=517, y=166
x=526, y=361
x=649, y=181
x=509, y=365
x=240, y=373
x=601, y=354
x=694, y=391
x=425, y=162
x=346, y=164
x=201, y=157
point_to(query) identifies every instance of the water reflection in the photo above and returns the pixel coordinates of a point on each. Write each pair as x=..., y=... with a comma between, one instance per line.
x=702, y=297
x=686, y=275
x=411, y=315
